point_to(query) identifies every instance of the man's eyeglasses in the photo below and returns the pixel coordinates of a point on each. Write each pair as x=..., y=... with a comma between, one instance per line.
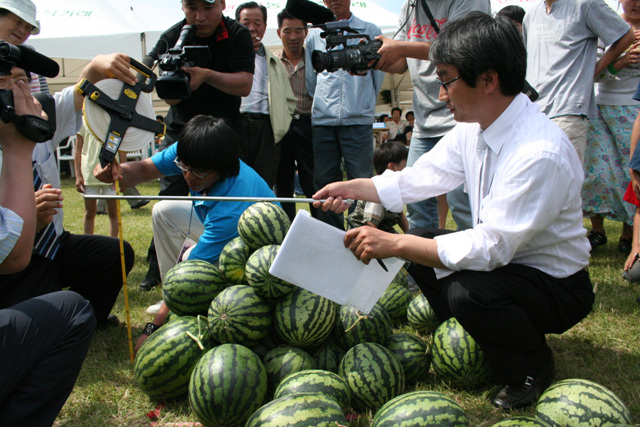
x=198, y=173
x=444, y=84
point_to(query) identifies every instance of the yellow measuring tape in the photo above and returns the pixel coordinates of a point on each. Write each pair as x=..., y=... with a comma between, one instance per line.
x=124, y=272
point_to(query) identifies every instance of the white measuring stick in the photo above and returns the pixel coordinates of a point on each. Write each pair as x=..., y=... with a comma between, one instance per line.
x=216, y=199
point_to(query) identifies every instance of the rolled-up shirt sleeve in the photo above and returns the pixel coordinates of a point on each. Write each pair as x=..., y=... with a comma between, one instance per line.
x=10, y=230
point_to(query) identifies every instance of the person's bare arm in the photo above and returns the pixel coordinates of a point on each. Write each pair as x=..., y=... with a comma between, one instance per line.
x=130, y=174
x=112, y=66
x=614, y=51
x=77, y=163
x=395, y=53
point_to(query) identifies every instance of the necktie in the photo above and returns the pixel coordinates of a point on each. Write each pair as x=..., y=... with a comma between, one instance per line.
x=482, y=153
x=46, y=243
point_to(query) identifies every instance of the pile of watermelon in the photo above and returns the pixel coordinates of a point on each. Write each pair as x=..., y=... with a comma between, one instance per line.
x=245, y=347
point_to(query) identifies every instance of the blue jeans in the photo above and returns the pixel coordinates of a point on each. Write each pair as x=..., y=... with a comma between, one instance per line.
x=422, y=214
x=333, y=145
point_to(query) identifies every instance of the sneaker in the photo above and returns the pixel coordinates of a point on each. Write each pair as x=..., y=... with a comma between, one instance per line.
x=148, y=283
x=596, y=238
x=155, y=308
x=624, y=246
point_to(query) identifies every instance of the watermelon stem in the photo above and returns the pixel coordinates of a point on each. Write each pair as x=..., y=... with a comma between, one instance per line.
x=360, y=317
x=196, y=339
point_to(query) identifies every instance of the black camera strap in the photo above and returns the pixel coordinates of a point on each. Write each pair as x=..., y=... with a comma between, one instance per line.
x=434, y=24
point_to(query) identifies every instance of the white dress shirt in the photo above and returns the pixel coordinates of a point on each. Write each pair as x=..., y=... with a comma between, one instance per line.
x=532, y=211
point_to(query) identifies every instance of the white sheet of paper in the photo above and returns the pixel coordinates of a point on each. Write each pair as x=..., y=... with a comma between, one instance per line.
x=312, y=256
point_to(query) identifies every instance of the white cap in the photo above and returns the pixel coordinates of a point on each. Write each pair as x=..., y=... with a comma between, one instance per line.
x=25, y=9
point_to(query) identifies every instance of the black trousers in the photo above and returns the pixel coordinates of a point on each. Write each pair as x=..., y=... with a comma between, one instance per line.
x=296, y=149
x=508, y=310
x=43, y=342
x=87, y=264
x=257, y=147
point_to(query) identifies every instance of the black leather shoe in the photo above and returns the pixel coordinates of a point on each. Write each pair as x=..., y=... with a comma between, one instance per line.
x=148, y=283
x=140, y=204
x=515, y=396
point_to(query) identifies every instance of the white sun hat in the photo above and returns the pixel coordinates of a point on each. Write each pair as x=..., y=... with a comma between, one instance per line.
x=25, y=9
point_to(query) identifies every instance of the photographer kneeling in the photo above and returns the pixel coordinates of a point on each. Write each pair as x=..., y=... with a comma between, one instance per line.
x=43, y=340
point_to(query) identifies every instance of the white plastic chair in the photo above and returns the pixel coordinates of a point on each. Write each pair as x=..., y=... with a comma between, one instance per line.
x=71, y=143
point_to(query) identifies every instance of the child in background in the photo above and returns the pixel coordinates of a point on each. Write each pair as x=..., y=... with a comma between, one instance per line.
x=631, y=265
x=387, y=156
x=86, y=155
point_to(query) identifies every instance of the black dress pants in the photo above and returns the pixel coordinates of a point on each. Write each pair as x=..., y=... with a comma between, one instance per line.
x=87, y=264
x=43, y=342
x=508, y=310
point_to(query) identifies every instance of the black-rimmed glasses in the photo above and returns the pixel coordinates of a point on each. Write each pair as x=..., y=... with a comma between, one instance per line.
x=444, y=84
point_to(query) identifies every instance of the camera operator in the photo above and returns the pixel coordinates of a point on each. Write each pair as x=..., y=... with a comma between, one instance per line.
x=216, y=87
x=343, y=112
x=43, y=340
x=409, y=49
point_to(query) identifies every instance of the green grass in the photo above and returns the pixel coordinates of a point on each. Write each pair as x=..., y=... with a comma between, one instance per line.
x=604, y=348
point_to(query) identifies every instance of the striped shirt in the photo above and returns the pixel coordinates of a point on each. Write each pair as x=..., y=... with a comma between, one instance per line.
x=298, y=84
x=10, y=230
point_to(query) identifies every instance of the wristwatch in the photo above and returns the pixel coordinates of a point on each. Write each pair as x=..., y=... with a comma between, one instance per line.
x=149, y=328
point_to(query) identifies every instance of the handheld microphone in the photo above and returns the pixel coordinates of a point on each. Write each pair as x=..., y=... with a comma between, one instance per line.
x=308, y=11
x=28, y=59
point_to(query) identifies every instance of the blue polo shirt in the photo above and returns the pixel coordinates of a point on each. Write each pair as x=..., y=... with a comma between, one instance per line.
x=220, y=219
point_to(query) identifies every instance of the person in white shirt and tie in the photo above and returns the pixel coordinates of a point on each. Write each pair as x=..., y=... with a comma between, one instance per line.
x=520, y=272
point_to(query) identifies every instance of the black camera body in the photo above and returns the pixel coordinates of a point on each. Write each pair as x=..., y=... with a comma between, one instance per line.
x=354, y=58
x=173, y=83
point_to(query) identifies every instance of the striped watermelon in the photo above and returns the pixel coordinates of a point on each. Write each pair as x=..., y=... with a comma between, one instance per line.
x=283, y=361
x=421, y=316
x=456, y=357
x=413, y=354
x=373, y=373
x=164, y=362
x=233, y=260
x=316, y=381
x=262, y=224
x=299, y=410
x=396, y=301
x=328, y=356
x=189, y=287
x=421, y=409
x=520, y=422
x=237, y=315
x=266, y=344
x=401, y=278
x=303, y=318
x=227, y=385
x=578, y=402
x=354, y=327
x=258, y=276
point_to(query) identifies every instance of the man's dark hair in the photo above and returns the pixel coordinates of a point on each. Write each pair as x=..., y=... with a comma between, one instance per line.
x=382, y=117
x=160, y=118
x=286, y=15
x=477, y=43
x=396, y=109
x=513, y=12
x=406, y=116
x=388, y=152
x=251, y=5
x=209, y=143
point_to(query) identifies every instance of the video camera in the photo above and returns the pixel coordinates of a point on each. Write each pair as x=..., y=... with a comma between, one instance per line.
x=173, y=83
x=353, y=58
x=34, y=128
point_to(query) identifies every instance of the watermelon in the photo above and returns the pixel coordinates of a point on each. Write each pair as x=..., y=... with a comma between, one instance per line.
x=302, y=318
x=266, y=344
x=456, y=357
x=237, y=315
x=164, y=362
x=396, y=301
x=420, y=409
x=354, y=327
x=520, y=422
x=189, y=287
x=413, y=354
x=316, y=381
x=283, y=361
x=263, y=224
x=227, y=385
x=299, y=410
x=578, y=402
x=421, y=316
x=233, y=260
x=328, y=356
x=258, y=276
x=373, y=373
